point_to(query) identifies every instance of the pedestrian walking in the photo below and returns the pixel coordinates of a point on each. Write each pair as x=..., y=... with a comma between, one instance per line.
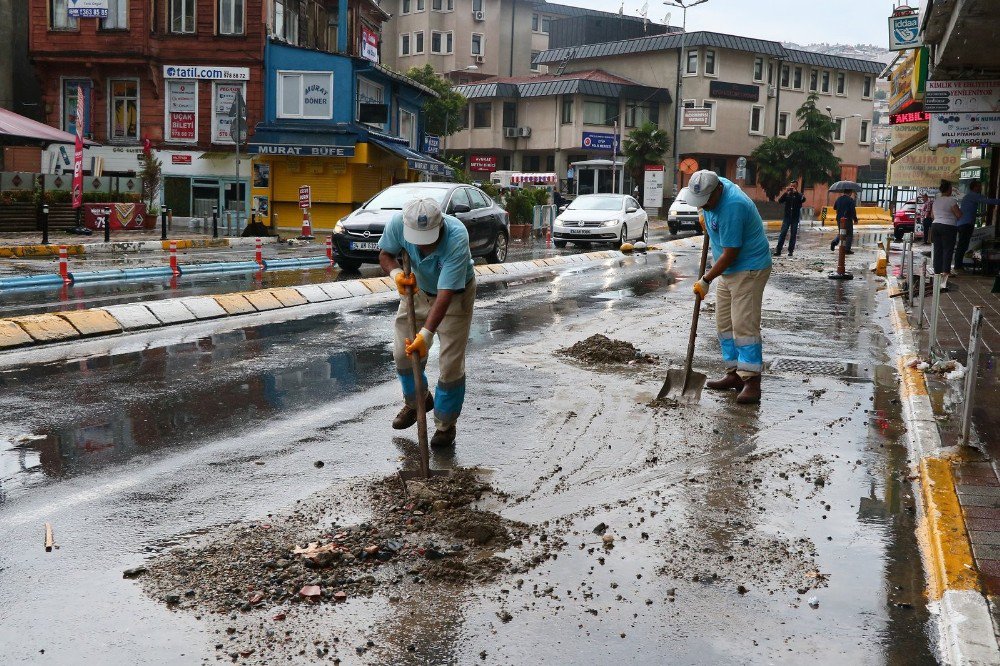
x=847, y=215
x=926, y=212
x=793, y=200
x=944, y=231
x=444, y=287
x=967, y=222
x=742, y=264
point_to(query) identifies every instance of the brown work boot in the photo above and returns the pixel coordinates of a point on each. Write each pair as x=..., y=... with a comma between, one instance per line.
x=408, y=415
x=750, y=395
x=727, y=383
x=444, y=437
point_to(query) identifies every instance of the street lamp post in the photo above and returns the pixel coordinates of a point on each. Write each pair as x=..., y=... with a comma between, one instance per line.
x=684, y=5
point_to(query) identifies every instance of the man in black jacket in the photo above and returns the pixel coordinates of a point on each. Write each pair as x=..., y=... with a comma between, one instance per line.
x=793, y=201
x=847, y=216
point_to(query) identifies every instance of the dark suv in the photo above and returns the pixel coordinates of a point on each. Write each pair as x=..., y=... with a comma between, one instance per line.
x=355, y=238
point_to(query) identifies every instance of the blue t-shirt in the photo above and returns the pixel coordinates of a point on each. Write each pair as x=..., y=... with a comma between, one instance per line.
x=449, y=266
x=970, y=206
x=735, y=222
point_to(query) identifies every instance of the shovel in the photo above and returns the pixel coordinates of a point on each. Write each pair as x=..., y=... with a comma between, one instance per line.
x=685, y=386
x=425, y=471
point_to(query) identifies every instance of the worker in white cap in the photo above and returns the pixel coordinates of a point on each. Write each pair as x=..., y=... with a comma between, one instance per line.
x=742, y=265
x=444, y=287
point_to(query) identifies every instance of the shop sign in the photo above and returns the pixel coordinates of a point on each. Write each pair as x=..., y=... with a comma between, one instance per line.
x=224, y=98
x=305, y=196
x=972, y=173
x=737, y=91
x=180, y=159
x=652, y=186
x=483, y=163
x=432, y=144
x=904, y=29
x=908, y=80
x=962, y=97
x=86, y=8
x=433, y=168
x=964, y=128
x=909, y=117
x=599, y=141
x=206, y=72
x=696, y=116
x=924, y=167
x=369, y=44
x=300, y=151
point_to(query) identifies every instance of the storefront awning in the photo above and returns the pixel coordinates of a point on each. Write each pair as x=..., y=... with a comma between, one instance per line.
x=536, y=178
x=908, y=145
x=295, y=142
x=15, y=127
x=414, y=160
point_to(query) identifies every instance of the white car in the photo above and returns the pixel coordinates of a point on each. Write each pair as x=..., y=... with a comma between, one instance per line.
x=600, y=218
x=681, y=215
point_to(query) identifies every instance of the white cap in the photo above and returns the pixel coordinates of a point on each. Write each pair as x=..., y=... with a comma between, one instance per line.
x=422, y=221
x=699, y=188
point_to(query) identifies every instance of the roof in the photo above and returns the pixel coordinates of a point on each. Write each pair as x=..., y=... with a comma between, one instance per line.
x=395, y=76
x=718, y=40
x=592, y=82
x=588, y=75
x=16, y=126
x=570, y=11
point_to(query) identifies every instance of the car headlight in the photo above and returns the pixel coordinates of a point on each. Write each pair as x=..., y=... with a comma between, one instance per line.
x=339, y=227
x=610, y=223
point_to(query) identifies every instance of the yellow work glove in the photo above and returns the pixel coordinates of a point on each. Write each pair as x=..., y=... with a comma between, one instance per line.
x=701, y=221
x=405, y=285
x=421, y=345
x=701, y=288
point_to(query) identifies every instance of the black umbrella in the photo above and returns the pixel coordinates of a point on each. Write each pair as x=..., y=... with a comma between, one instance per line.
x=845, y=186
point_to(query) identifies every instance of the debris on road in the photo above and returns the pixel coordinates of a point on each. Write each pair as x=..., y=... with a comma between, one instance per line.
x=602, y=349
x=48, y=538
x=952, y=370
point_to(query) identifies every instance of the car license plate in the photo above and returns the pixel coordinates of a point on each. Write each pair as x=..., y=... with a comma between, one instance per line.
x=579, y=231
x=363, y=245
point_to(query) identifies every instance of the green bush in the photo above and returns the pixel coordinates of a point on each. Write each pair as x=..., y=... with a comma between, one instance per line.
x=520, y=204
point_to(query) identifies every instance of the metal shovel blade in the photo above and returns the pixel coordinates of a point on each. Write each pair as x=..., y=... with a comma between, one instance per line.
x=674, y=386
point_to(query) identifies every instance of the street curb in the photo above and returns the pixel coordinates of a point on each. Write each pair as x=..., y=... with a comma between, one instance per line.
x=38, y=330
x=77, y=249
x=965, y=627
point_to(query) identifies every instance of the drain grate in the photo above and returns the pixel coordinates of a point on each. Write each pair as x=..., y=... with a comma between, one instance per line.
x=810, y=366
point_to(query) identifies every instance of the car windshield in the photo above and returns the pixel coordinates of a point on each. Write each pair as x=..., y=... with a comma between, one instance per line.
x=394, y=198
x=596, y=203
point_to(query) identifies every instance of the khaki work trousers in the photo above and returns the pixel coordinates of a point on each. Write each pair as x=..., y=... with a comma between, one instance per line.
x=450, y=339
x=738, y=302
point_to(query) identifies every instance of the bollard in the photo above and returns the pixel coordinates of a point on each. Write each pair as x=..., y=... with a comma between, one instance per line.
x=259, y=244
x=329, y=249
x=45, y=224
x=170, y=219
x=307, y=232
x=842, y=273
x=163, y=224
x=910, y=292
x=548, y=237
x=971, y=364
x=935, y=304
x=173, y=259
x=64, y=264
x=923, y=288
x=107, y=227
x=215, y=221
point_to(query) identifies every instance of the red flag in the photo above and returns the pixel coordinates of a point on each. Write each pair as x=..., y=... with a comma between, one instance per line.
x=78, y=153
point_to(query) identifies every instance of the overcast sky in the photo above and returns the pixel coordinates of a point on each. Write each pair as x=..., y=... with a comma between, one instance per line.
x=800, y=21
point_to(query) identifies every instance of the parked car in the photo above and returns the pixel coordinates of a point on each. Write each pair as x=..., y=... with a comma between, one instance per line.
x=681, y=216
x=905, y=221
x=356, y=236
x=600, y=218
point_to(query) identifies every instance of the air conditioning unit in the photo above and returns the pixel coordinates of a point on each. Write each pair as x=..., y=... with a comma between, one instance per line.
x=480, y=59
x=772, y=91
x=524, y=131
x=510, y=132
x=479, y=16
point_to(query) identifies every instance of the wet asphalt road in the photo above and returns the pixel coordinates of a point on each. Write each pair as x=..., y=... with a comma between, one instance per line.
x=137, y=451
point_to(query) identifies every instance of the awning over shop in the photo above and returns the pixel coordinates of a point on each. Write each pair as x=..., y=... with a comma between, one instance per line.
x=14, y=126
x=414, y=160
x=535, y=178
x=908, y=145
x=302, y=142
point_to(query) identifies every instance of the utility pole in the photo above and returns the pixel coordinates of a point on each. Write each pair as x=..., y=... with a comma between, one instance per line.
x=678, y=101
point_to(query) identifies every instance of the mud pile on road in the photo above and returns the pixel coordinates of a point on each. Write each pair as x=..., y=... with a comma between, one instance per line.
x=602, y=349
x=435, y=533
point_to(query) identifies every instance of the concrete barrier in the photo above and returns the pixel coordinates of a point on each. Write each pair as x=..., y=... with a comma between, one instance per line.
x=133, y=316
x=234, y=304
x=204, y=307
x=262, y=300
x=288, y=296
x=46, y=327
x=92, y=322
x=12, y=335
x=170, y=311
x=313, y=293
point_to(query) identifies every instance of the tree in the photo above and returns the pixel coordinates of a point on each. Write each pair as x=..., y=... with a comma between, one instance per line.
x=646, y=144
x=771, y=158
x=811, y=147
x=442, y=116
x=150, y=177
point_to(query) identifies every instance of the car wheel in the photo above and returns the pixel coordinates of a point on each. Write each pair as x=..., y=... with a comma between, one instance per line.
x=498, y=254
x=645, y=233
x=349, y=265
x=673, y=230
x=623, y=237
x=898, y=235
x=559, y=244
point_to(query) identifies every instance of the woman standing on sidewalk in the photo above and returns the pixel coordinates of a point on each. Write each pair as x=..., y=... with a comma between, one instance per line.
x=944, y=231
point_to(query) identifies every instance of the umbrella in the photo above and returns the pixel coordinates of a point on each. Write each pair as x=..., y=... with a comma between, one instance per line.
x=845, y=186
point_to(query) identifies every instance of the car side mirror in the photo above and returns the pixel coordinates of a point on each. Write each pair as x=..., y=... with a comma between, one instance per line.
x=562, y=209
x=460, y=208
x=631, y=209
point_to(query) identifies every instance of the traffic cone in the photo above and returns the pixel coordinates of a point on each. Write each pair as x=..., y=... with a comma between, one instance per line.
x=173, y=258
x=259, y=246
x=64, y=264
x=329, y=249
x=307, y=230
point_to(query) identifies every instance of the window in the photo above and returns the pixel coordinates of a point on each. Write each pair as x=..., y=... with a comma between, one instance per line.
x=69, y=94
x=182, y=16
x=770, y=73
x=123, y=98
x=865, y=131
x=230, y=17
x=813, y=80
x=404, y=7
x=710, y=104
x=418, y=42
x=369, y=93
x=449, y=43
x=826, y=82
x=603, y=112
x=534, y=23
x=436, y=5
x=838, y=130
x=797, y=78
x=404, y=44
x=783, y=124
x=441, y=42
x=637, y=115
x=420, y=5
x=866, y=89
x=408, y=127
x=758, y=69
x=550, y=163
x=534, y=65
x=482, y=115
x=305, y=95
x=117, y=16
x=59, y=16
x=546, y=24
x=510, y=114
x=460, y=197
x=567, y=110
x=477, y=198
x=756, y=120
x=710, y=62
x=181, y=111
x=477, y=5
x=477, y=44
x=286, y=20
x=841, y=83
x=687, y=104
x=531, y=163
x=442, y=6
x=692, y=62
x=786, y=76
